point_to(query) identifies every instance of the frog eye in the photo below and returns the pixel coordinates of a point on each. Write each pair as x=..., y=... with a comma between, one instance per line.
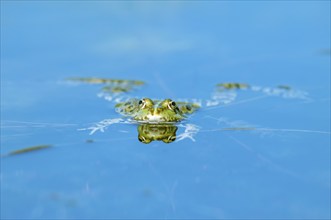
x=172, y=105
x=142, y=103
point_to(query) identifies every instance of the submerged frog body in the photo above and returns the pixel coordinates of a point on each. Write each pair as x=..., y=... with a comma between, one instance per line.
x=156, y=111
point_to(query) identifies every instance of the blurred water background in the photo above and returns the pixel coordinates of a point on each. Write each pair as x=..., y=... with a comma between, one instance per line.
x=181, y=50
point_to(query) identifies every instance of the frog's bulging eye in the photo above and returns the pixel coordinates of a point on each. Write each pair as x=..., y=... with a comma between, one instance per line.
x=172, y=105
x=145, y=103
x=142, y=103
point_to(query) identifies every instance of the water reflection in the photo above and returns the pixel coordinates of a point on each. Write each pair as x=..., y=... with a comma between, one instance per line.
x=157, y=132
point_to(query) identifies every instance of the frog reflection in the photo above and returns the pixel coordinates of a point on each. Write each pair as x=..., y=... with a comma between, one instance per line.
x=157, y=132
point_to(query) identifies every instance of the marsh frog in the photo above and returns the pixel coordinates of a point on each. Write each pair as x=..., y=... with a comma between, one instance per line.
x=147, y=110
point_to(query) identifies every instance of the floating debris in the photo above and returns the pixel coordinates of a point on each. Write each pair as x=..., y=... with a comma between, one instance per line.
x=231, y=86
x=89, y=141
x=95, y=80
x=190, y=131
x=117, y=89
x=27, y=150
x=228, y=89
x=102, y=125
x=112, y=87
x=285, y=87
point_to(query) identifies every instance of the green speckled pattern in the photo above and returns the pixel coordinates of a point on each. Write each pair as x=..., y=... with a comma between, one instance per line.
x=154, y=132
x=155, y=111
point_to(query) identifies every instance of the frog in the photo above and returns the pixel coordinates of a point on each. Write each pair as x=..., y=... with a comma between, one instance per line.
x=146, y=110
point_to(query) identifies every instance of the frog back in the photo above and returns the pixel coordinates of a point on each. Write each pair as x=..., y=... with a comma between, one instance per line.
x=187, y=108
x=128, y=108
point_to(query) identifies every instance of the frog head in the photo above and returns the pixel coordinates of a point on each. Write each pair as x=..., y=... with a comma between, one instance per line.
x=155, y=111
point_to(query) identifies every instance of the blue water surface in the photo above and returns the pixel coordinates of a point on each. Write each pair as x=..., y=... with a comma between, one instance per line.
x=181, y=50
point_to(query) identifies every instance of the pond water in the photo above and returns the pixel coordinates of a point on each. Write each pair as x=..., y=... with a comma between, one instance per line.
x=261, y=155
